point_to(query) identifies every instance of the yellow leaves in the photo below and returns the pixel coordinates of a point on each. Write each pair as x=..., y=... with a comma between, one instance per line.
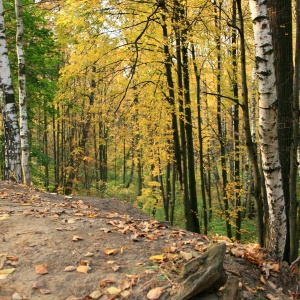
x=158, y=257
x=4, y=273
x=114, y=291
x=110, y=251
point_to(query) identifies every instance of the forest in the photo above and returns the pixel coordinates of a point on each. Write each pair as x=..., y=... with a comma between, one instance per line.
x=188, y=109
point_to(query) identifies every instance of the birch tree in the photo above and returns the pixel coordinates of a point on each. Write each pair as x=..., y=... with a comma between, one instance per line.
x=24, y=133
x=268, y=126
x=9, y=112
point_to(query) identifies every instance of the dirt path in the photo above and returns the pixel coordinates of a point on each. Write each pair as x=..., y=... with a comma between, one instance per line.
x=92, y=248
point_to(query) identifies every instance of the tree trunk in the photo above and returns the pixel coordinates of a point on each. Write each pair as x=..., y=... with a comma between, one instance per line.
x=200, y=139
x=268, y=126
x=251, y=145
x=294, y=227
x=179, y=150
x=236, y=133
x=24, y=132
x=280, y=14
x=10, y=119
x=189, y=136
x=221, y=132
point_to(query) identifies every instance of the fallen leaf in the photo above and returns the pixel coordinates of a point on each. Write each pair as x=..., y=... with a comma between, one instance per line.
x=126, y=294
x=125, y=284
x=262, y=279
x=106, y=282
x=77, y=238
x=4, y=217
x=79, y=214
x=45, y=291
x=158, y=257
x=133, y=278
x=151, y=237
x=16, y=296
x=110, y=251
x=169, y=249
x=115, y=268
x=114, y=291
x=110, y=262
x=95, y=215
x=186, y=255
x=96, y=294
x=41, y=269
x=13, y=258
x=40, y=284
x=70, y=268
x=83, y=269
x=135, y=237
x=4, y=273
x=155, y=293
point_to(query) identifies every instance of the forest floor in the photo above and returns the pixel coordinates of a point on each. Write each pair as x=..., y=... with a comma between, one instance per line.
x=54, y=247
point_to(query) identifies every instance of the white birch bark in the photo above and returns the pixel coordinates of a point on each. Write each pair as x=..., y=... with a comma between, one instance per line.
x=10, y=118
x=253, y=106
x=23, y=119
x=268, y=123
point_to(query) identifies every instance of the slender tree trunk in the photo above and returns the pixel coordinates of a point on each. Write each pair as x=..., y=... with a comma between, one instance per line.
x=294, y=227
x=236, y=133
x=251, y=145
x=45, y=148
x=200, y=138
x=24, y=132
x=139, y=172
x=167, y=197
x=10, y=119
x=173, y=196
x=189, y=137
x=221, y=133
x=268, y=126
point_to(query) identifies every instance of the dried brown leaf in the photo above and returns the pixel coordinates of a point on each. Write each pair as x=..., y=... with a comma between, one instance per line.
x=155, y=293
x=41, y=269
x=106, y=282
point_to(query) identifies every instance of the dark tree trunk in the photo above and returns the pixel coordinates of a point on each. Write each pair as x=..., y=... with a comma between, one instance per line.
x=280, y=13
x=221, y=132
x=200, y=138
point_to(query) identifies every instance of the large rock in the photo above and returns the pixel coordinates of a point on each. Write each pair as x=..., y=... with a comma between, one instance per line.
x=202, y=274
